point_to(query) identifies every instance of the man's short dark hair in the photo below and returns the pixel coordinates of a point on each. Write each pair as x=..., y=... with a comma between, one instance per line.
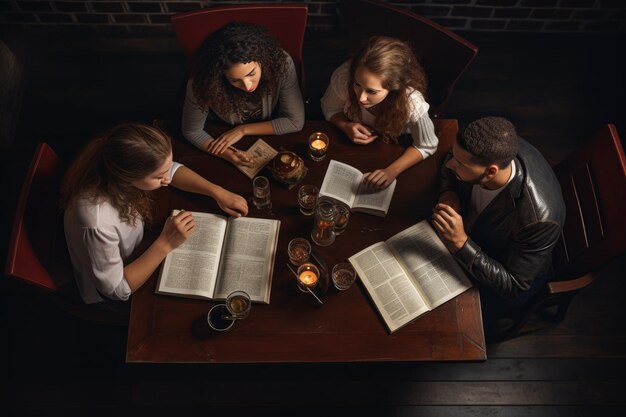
x=490, y=140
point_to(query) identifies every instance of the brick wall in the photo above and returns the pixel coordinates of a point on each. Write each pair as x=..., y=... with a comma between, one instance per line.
x=151, y=17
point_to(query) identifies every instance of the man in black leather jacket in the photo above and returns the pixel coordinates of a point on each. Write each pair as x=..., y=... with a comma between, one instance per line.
x=500, y=213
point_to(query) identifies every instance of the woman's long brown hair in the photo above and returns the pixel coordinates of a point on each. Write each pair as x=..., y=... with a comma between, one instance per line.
x=400, y=72
x=108, y=165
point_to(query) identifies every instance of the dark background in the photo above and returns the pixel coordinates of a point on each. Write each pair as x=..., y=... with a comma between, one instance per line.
x=554, y=68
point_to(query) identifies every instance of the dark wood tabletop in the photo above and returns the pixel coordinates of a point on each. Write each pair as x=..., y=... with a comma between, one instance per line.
x=293, y=327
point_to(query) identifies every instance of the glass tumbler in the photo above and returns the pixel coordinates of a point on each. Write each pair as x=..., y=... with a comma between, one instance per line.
x=261, y=193
x=323, y=232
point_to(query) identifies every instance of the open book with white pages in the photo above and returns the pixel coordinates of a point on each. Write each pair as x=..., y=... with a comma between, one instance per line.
x=344, y=183
x=221, y=256
x=409, y=274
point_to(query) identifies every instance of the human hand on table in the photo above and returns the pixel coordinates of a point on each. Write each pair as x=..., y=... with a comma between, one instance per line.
x=449, y=224
x=231, y=203
x=379, y=179
x=225, y=140
x=360, y=134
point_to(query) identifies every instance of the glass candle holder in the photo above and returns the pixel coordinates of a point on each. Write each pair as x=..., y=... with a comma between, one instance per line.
x=323, y=232
x=308, y=277
x=318, y=145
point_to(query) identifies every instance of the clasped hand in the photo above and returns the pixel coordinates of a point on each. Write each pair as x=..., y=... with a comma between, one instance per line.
x=360, y=134
x=449, y=224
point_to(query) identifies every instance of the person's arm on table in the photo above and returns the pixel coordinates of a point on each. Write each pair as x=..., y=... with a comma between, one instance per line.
x=425, y=143
x=176, y=230
x=290, y=116
x=530, y=249
x=193, y=122
x=188, y=180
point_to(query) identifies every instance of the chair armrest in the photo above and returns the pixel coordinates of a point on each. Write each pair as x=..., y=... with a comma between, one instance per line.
x=559, y=287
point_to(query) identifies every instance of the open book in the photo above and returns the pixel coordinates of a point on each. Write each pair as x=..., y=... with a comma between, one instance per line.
x=262, y=153
x=221, y=256
x=344, y=183
x=409, y=274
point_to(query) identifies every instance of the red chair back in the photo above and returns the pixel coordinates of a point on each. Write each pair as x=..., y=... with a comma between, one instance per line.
x=593, y=180
x=444, y=55
x=37, y=250
x=286, y=21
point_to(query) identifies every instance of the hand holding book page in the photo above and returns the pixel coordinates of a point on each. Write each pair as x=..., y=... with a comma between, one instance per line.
x=345, y=183
x=223, y=256
x=262, y=154
x=409, y=274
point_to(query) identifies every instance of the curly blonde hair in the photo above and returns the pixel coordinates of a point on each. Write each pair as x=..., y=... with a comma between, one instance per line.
x=108, y=165
x=400, y=72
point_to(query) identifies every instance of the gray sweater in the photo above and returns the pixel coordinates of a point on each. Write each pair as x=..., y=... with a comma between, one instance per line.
x=289, y=101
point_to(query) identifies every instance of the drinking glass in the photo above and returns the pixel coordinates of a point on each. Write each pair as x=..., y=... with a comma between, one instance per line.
x=216, y=318
x=343, y=276
x=323, y=232
x=238, y=304
x=307, y=198
x=318, y=145
x=261, y=193
x=299, y=250
x=341, y=218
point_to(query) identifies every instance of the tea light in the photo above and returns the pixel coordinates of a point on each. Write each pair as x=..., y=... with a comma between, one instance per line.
x=308, y=278
x=308, y=275
x=318, y=145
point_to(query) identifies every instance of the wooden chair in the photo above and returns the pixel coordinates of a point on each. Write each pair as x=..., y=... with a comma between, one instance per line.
x=38, y=253
x=593, y=181
x=286, y=21
x=444, y=55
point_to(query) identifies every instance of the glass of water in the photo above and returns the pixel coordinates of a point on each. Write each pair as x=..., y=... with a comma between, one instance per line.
x=261, y=193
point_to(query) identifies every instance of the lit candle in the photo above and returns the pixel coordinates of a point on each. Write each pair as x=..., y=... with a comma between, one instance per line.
x=308, y=278
x=318, y=144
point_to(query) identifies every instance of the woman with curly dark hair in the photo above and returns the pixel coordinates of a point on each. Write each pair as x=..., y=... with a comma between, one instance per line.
x=243, y=77
x=106, y=197
x=380, y=92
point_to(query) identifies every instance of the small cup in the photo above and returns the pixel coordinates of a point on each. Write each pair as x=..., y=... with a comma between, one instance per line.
x=238, y=304
x=341, y=218
x=216, y=319
x=261, y=193
x=308, y=276
x=299, y=250
x=323, y=233
x=343, y=276
x=318, y=145
x=307, y=198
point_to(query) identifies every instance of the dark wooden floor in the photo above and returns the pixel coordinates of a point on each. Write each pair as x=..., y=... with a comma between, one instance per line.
x=557, y=89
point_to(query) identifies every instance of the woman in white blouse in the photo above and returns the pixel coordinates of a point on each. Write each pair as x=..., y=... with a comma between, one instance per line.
x=380, y=94
x=106, y=196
